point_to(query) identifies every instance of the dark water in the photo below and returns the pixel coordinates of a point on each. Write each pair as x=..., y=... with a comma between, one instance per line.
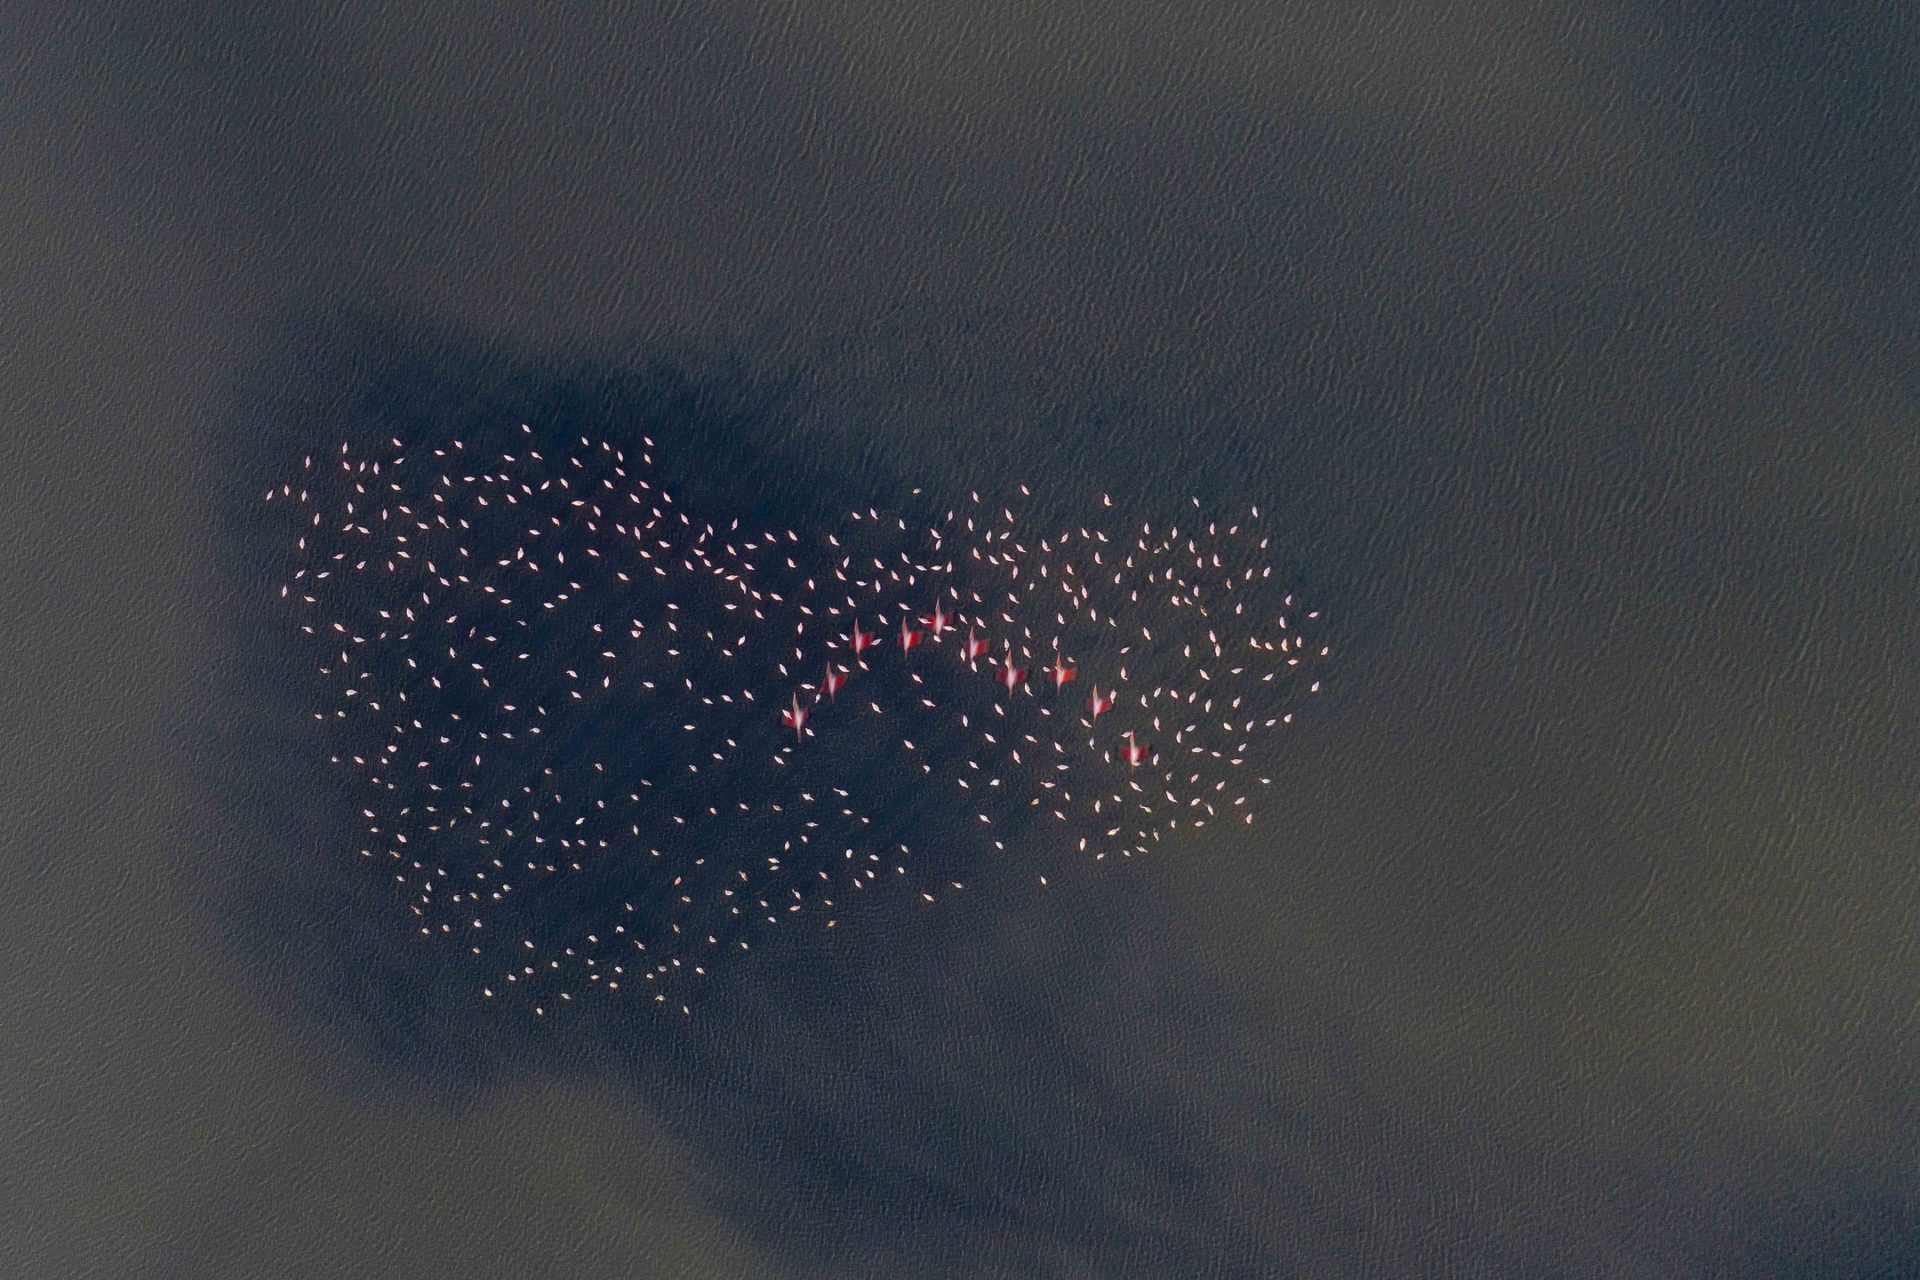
x=1569, y=351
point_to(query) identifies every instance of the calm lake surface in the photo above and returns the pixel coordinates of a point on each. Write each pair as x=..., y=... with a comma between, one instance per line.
x=1568, y=352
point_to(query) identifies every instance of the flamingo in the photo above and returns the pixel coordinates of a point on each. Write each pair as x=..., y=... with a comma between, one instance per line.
x=795, y=716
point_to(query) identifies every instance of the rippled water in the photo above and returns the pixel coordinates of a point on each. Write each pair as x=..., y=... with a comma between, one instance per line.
x=1571, y=364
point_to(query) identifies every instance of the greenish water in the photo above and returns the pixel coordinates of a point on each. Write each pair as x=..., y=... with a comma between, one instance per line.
x=1572, y=362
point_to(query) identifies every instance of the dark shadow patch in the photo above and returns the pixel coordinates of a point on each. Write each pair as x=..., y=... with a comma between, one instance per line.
x=915, y=1095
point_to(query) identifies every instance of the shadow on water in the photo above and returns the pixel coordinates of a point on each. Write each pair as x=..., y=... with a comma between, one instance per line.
x=981, y=1085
